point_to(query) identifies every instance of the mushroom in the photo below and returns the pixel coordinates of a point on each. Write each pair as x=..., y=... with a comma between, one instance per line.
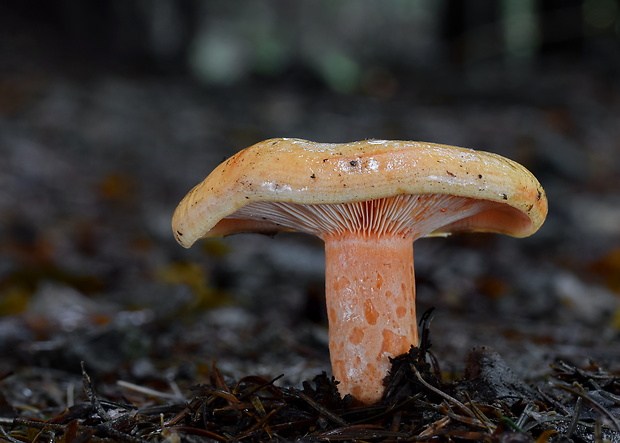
x=369, y=201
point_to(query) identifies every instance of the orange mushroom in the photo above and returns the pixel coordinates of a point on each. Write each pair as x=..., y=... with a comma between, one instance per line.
x=369, y=201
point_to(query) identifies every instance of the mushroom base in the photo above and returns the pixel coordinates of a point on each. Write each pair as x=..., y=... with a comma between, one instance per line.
x=370, y=295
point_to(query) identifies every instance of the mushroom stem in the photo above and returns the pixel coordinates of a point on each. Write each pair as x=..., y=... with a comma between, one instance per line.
x=370, y=296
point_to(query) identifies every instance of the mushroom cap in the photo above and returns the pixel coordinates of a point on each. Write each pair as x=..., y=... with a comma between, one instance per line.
x=300, y=172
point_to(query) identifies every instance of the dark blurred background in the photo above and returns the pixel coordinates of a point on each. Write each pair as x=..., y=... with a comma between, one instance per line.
x=110, y=111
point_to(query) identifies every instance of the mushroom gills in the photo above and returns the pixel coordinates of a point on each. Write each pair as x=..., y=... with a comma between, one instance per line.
x=406, y=215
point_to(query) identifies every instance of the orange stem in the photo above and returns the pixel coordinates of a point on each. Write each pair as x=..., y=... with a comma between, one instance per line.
x=370, y=295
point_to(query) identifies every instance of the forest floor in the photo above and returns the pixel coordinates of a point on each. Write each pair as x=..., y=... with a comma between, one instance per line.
x=173, y=340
